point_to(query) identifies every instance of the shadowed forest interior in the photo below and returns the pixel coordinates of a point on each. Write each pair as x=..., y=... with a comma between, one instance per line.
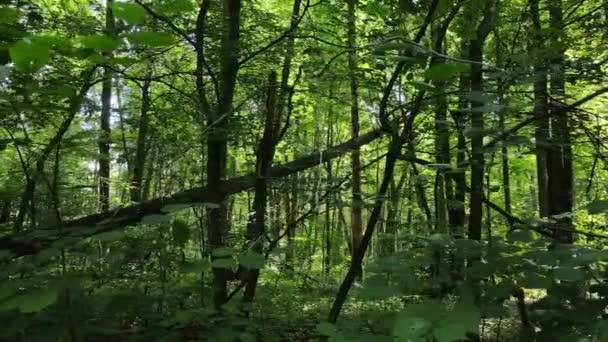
x=303, y=170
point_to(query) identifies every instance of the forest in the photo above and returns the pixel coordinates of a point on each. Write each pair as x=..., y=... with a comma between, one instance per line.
x=304, y=170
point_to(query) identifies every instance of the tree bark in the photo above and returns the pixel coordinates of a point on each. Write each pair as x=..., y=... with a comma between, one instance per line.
x=141, y=151
x=541, y=96
x=357, y=200
x=105, y=120
x=477, y=121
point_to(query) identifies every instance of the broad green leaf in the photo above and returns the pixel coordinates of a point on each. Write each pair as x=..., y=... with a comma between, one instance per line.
x=422, y=86
x=8, y=15
x=180, y=232
x=131, y=13
x=197, y=266
x=110, y=236
x=568, y=274
x=33, y=300
x=445, y=71
x=597, y=207
x=98, y=42
x=171, y=208
x=252, y=260
x=223, y=252
x=223, y=263
x=176, y=6
x=154, y=39
x=326, y=329
x=521, y=235
x=155, y=219
x=29, y=56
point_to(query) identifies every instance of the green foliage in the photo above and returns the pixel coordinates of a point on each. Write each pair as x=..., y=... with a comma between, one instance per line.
x=131, y=13
x=153, y=39
x=30, y=55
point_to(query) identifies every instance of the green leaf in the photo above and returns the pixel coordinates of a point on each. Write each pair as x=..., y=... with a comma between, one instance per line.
x=445, y=71
x=197, y=266
x=29, y=55
x=8, y=15
x=180, y=232
x=98, y=42
x=326, y=329
x=521, y=235
x=154, y=39
x=252, y=260
x=568, y=274
x=131, y=13
x=465, y=317
x=223, y=263
x=155, y=219
x=597, y=207
x=422, y=86
x=110, y=236
x=32, y=301
x=223, y=252
x=171, y=208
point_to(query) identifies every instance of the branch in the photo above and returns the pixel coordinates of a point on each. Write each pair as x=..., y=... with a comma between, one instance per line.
x=30, y=243
x=167, y=21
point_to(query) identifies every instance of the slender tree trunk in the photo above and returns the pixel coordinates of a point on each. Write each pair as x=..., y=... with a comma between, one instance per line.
x=265, y=154
x=217, y=144
x=502, y=87
x=477, y=121
x=141, y=151
x=357, y=201
x=540, y=109
x=28, y=195
x=561, y=194
x=105, y=121
x=357, y=260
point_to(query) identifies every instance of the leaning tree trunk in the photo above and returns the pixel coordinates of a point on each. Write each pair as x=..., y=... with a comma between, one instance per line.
x=141, y=151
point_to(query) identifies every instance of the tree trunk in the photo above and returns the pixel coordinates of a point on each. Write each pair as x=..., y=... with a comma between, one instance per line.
x=217, y=144
x=560, y=151
x=357, y=201
x=477, y=122
x=540, y=109
x=141, y=151
x=104, y=122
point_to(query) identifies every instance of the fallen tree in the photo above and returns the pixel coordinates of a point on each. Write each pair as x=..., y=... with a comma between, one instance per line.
x=32, y=242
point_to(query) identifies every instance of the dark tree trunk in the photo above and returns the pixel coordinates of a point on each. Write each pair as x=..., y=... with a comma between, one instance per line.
x=561, y=195
x=541, y=134
x=357, y=201
x=104, y=122
x=141, y=151
x=477, y=122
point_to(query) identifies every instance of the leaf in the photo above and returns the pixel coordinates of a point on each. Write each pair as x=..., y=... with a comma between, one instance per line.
x=110, y=236
x=568, y=274
x=154, y=39
x=171, y=208
x=422, y=86
x=521, y=235
x=465, y=317
x=223, y=252
x=30, y=56
x=8, y=15
x=180, y=232
x=597, y=207
x=131, y=13
x=32, y=301
x=223, y=263
x=197, y=266
x=98, y=42
x=155, y=219
x=252, y=260
x=445, y=71
x=326, y=329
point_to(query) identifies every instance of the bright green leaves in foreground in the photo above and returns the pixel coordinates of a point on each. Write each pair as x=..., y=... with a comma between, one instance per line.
x=30, y=55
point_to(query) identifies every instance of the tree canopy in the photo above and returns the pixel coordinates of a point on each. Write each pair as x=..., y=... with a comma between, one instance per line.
x=281, y=170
